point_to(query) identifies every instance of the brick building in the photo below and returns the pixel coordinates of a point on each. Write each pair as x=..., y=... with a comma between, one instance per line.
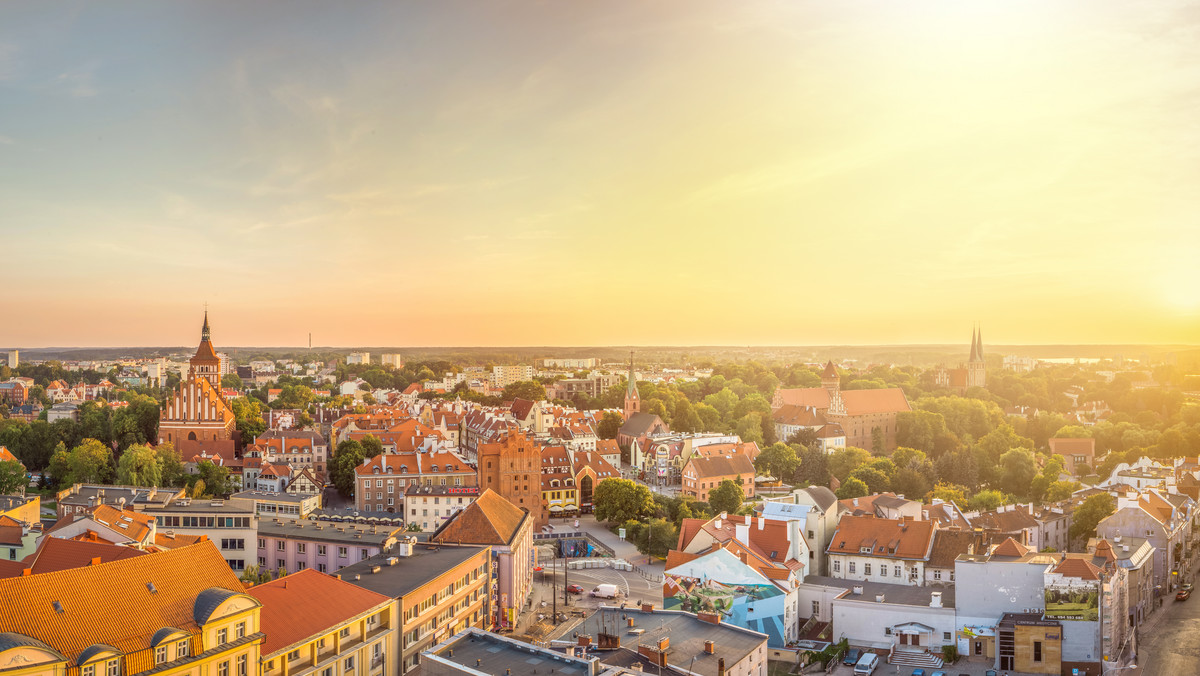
x=859, y=412
x=197, y=411
x=512, y=467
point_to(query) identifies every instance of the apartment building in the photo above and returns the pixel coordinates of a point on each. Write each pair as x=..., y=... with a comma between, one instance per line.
x=324, y=546
x=232, y=525
x=441, y=590
x=316, y=624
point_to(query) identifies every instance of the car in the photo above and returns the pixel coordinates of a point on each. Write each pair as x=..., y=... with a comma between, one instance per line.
x=575, y=589
x=1186, y=585
x=990, y=672
x=866, y=664
x=918, y=672
x=938, y=673
x=851, y=657
x=1183, y=594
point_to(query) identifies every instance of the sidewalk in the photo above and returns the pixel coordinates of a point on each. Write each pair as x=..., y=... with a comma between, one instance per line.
x=622, y=548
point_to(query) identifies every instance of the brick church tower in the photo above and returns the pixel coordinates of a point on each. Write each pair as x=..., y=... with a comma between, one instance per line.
x=633, y=401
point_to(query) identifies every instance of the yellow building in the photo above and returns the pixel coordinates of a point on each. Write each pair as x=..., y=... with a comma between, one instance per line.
x=318, y=624
x=180, y=612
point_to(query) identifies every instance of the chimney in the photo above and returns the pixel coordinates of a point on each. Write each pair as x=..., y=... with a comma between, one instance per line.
x=95, y=561
x=747, y=519
x=647, y=607
x=879, y=598
x=629, y=621
x=664, y=643
x=710, y=647
x=584, y=640
x=935, y=600
x=857, y=590
x=711, y=618
x=720, y=666
x=762, y=521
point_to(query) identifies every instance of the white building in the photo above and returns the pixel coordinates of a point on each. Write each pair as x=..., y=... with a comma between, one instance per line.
x=503, y=376
x=392, y=359
x=358, y=358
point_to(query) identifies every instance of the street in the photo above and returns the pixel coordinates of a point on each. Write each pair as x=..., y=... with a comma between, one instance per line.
x=1172, y=646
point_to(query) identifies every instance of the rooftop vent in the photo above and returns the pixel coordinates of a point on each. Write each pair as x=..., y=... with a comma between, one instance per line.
x=151, y=588
x=58, y=606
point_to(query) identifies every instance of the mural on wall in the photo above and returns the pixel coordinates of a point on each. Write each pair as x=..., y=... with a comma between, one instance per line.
x=1073, y=602
x=720, y=583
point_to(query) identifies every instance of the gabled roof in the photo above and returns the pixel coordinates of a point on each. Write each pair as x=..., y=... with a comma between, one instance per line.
x=884, y=538
x=641, y=424
x=1080, y=568
x=308, y=604
x=521, y=408
x=947, y=545
x=135, y=525
x=866, y=402
x=6, y=455
x=113, y=603
x=721, y=465
x=791, y=414
x=1010, y=547
x=490, y=520
x=55, y=554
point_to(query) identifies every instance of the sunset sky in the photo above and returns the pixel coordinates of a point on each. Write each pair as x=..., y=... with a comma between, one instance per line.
x=606, y=172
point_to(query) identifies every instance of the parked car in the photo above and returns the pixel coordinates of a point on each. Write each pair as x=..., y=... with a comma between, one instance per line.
x=575, y=589
x=851, y=657
x=1183, y=594
x=918, y=672
x=866, y=664
x=990, y=672
x=1186, y=585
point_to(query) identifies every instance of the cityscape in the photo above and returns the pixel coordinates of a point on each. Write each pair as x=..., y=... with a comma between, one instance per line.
x=599, y=339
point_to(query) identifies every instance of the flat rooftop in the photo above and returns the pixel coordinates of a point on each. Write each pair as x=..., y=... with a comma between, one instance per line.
x=900, y=594
x=203, y=507
x=326, y=531
x=492, y=654
x=267, y=496
x=687, y=634
x=409, y=572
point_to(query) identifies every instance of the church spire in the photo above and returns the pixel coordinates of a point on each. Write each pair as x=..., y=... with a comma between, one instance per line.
x=974, y=345
x=631, y=388
x=205, y=334
x=979, y=344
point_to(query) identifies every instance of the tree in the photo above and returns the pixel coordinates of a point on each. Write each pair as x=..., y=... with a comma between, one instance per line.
x=844, y=460
x=1090, y=513
x=1059, y=491
x=876, y=481
x=778, y=460
x=346, y=458
x=247, y=414
x=231, y=381
x=710, y=418
x=805, y=436
x=910, y=483
x=950, y=493
x=749, y=428
x=524, y=389
x=726, y=497
x=170, y=466
x=658, y=537
x=12, y=477
x=139, y=466
x=984, y=501
x=620, y=500
x=609, y=425
x=255, y=575
x=90, y=463
x=814, y=466
x=371, y=446
x=1017, y=470
x=215, y=478
x=851, y=488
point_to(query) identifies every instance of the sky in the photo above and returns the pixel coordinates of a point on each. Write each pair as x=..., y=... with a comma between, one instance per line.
x=677, y=172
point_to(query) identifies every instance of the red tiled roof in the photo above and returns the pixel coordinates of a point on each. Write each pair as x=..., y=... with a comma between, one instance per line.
x=307, y=604
x=721, y=466
x=1010, y=547
x=55, y=554
x=1080, y=568
x=490, y=520
x=866, y=402
x=886, y=538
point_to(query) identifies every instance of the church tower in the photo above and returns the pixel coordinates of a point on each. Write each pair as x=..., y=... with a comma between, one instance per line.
x=633, y=401
x=205, y=363
x=976, y=367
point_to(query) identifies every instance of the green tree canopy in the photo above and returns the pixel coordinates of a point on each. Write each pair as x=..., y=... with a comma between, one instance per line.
x=726, y=497
x=985, y=501
x=609, y=425
x=12, y=477
x=524, y=389
x=851, y=488
x=778, y=460
x=1017, y=470
x=371, y=446
x=346, y=458
x=621, y=500
x=845, y=460
x=876, y=481
x=139, y=466
x=1093, y=510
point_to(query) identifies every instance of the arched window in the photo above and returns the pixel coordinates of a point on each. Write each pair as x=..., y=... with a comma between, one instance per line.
x=191, y=436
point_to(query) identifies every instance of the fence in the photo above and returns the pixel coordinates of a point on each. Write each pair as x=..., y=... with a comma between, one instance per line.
x=575, y=535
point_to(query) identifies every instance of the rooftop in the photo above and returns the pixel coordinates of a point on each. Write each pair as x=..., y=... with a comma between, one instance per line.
x=492, y=654
x=271, y=496
x=687, y=634
x=399, y=575
x=325, y=531
x=308, y=604
x=185, y=505
x=899, y=594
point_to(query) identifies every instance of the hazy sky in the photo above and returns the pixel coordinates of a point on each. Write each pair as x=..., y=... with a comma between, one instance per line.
x=607, y=172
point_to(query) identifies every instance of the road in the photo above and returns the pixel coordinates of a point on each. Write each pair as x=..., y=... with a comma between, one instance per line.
x=1173, y=645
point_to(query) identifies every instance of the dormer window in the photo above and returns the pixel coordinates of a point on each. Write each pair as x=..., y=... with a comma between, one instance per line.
x=864, y=550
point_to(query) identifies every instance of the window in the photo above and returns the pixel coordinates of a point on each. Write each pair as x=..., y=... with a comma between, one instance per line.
x=327, y=671
x=816, y=608
x=945, y=636
x=852, y=571
x=280, y=545
x=223, y=668
x=160, y=654
x=181, y=649
x=300, y=548
x=241, y=665
x=89, y=670
x=320, y=568
x=262, y=544
x=883, y=571
x=222, y=636
x=240, y=630
x=348, y=665
x=937, y=574
x=112, y=668
x=364, y=553
x=294, y=655
x=837, y=566
x=379, y=483
x=280, y=564
x=345, y=633
x=320, y=550
x=1037, y=651
x=866, y=569
x=899, y=573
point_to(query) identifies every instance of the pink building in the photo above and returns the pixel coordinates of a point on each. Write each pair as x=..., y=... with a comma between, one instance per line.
x=326, y=546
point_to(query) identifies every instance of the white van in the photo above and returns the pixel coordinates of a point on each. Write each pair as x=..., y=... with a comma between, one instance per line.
x=606, y=591
x=867, y=664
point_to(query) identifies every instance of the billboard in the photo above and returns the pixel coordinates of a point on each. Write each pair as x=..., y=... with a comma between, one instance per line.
x=1072, y=603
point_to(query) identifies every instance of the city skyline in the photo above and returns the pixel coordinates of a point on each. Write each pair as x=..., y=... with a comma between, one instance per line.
x=515, y=174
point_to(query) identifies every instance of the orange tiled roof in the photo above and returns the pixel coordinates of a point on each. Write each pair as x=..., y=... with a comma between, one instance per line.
x=136, y=525
x=6, y=455
x=1080, y=568
x=55, y=554
x=111, y=603
x=490, y=520
x=308, y=604
x=887, y=538
x=1010, y=547
x=722, y=466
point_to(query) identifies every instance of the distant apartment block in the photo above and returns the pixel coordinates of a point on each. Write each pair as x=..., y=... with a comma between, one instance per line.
x=503, y=376
x=14, y=358
x=394, y=360
x=583, y=363
x=358, y=358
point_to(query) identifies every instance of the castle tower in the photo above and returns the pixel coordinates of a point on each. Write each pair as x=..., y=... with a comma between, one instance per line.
x=206, y=364
x=832, y=382
x=976, y=367
x=633, y=401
